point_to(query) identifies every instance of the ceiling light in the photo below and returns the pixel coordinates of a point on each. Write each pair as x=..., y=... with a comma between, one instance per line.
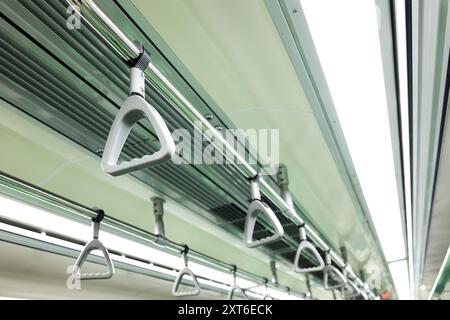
x=400, y=18
x=346, y=38
x=399, y=271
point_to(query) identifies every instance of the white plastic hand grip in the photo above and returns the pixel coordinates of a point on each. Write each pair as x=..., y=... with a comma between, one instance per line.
x=235, y=288
x=134, y=109
x=94, y=244
x=178, y=280
x=303, y=247
x=307, y=246
x=185, y=271
x=256, y=208
x=331, y=271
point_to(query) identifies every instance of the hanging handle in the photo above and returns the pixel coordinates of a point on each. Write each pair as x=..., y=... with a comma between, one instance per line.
x=331, y=270
x=234, y=287
x=307, y=246
x=185, y=271
x=94, y=244
x=256, y=208
x=134, y=109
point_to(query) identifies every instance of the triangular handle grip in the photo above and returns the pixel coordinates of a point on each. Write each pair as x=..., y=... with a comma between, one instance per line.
x=177, y=283
x=327, y=272
x=256, y=208
x=134, y=109
x=304, y=246
x=235, y=288
x=94, y=244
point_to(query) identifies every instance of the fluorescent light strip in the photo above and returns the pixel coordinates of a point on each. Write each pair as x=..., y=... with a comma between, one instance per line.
x=400, y=18
x=346, y=37
x=399, y=271
x=48, y=222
